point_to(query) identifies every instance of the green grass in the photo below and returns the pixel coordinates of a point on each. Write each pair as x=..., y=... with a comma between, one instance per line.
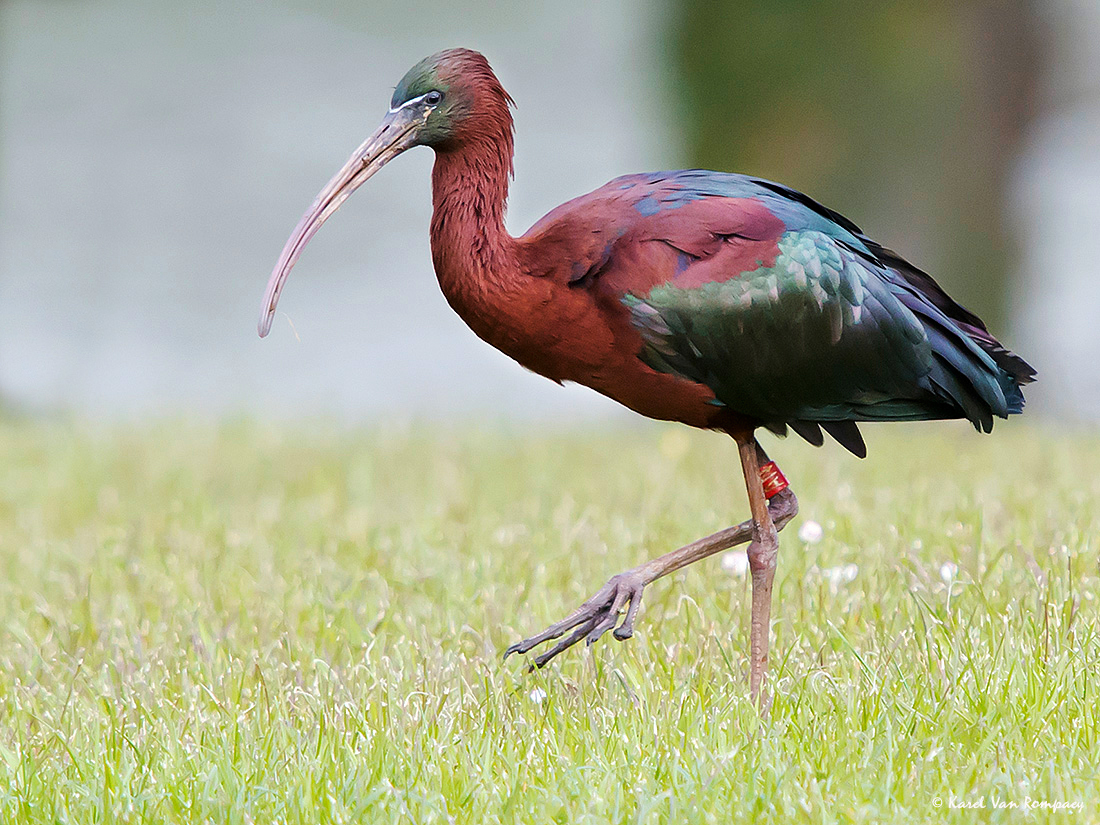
x=302, y=625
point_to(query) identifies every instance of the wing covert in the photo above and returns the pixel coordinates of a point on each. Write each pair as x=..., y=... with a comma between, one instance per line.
x=820, y=335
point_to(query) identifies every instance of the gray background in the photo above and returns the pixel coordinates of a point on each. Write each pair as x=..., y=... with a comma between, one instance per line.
x=154, y=157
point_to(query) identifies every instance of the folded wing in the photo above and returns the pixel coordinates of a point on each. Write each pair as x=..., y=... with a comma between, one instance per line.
x=831, y=330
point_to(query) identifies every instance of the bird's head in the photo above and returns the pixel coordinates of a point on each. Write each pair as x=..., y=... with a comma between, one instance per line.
x=445, y=101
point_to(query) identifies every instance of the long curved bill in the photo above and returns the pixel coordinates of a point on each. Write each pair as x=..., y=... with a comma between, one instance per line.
x=394, y=136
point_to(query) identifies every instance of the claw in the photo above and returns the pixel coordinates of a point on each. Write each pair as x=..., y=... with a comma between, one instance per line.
x=582, y=615
x=591, y=620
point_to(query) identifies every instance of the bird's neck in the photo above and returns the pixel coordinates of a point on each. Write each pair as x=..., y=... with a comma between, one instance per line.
x=472, y=251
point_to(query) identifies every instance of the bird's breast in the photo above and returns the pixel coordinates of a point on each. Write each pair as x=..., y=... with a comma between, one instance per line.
x=569, y=334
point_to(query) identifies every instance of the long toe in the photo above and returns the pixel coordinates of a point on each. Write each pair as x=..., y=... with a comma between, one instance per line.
x=591, y=620
x=540, y=661
x=592, y=607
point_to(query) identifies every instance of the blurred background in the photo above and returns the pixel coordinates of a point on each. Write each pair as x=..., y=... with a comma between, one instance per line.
x=154, y=156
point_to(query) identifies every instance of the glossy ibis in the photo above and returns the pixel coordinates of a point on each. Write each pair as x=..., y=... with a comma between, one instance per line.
x=717, y=300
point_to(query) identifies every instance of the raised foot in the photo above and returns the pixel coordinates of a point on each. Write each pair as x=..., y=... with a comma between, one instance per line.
x=592, y=619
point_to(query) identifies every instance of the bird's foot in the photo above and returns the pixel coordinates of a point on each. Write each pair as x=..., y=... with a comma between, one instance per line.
x=600, y=613
x=592, y=619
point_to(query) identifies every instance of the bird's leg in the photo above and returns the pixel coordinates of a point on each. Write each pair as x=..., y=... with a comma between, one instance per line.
x=599, y=613
x=762, y=553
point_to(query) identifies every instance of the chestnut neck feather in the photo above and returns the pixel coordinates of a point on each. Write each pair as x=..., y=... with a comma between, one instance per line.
x=471, y=249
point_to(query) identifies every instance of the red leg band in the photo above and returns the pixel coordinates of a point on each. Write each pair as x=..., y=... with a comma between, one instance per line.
x=774, y=481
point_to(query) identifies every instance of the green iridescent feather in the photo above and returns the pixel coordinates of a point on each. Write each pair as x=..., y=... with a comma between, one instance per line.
x=823, y=335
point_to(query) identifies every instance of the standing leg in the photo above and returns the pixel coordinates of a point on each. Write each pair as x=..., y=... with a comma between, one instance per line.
x=762, y=553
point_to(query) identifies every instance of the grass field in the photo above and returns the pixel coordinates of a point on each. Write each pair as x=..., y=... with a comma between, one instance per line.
x=250, y=624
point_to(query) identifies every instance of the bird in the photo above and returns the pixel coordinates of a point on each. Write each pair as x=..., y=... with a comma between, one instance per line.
x=718, y=300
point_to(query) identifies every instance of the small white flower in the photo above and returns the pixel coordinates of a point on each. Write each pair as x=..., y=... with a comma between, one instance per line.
x=735, y=562
x=839, y=575
x=810, y=532
x=538, y=696
x=948, y=570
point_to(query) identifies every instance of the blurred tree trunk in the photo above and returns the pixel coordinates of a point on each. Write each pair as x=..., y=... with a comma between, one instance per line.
x=906, y=117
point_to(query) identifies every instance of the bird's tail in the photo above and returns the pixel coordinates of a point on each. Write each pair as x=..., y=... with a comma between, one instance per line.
x=1015, y=371
x=970, y=361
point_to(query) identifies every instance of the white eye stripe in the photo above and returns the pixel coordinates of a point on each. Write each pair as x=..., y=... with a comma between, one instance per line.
x=408, y=103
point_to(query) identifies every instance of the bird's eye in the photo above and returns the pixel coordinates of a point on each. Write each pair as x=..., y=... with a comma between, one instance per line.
x=432, y=98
